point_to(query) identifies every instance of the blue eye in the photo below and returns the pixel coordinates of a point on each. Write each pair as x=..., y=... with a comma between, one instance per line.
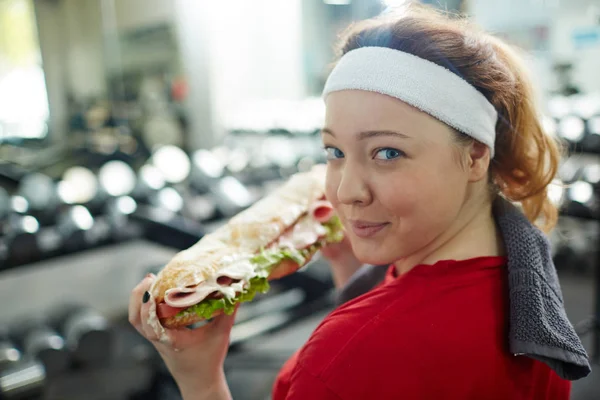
x=388, y=154
x=333, y=153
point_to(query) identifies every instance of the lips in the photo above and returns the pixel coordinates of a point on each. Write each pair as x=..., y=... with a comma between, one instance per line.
x=367, y=229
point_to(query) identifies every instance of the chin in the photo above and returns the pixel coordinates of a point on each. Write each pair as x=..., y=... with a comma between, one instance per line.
x=373, y=253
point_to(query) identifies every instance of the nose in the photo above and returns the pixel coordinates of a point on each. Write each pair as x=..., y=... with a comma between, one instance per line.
x=353, y=188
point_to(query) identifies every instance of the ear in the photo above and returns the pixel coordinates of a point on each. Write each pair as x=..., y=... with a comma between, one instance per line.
x=478, y=161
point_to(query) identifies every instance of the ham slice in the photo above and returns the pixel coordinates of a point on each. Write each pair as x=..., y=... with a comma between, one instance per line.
x=186, y=297
x=321, y=211
x=305, y=233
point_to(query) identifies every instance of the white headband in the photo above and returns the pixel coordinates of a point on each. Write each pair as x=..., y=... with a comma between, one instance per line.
x=420, y=83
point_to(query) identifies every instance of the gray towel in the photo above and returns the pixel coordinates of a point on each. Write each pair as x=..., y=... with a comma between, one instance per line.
x=539, y=327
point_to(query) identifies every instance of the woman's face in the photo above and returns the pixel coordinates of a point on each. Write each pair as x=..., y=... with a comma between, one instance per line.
x=392, y=176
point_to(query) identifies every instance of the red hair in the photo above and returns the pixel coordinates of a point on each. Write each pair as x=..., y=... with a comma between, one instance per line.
x=526, y=158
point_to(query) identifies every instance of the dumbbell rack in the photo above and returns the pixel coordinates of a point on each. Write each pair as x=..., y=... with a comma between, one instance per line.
x=595, y=323
x=591, y=325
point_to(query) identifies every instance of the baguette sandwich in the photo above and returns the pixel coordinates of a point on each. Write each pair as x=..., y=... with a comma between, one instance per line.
x=273, y=238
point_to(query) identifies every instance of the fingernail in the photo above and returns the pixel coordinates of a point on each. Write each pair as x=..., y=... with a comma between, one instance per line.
x=146, y=297
x=150, y=275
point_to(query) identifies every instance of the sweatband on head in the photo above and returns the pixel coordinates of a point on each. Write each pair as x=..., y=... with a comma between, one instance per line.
x=423, y=84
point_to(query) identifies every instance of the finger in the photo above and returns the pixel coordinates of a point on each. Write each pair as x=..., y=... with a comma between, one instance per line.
x=135, y=300
x=223, y=323
x=339, y=250
x=213, y=333
x=144, y=314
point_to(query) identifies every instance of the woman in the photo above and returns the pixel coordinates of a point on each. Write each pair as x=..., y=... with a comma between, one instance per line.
x=417, y=156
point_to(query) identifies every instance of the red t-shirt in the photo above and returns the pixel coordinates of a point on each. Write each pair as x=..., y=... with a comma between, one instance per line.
x=437, y=332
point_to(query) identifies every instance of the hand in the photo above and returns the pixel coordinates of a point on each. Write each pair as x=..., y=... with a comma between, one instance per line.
x=193, y=356
x=342, y=261
x=337, y=251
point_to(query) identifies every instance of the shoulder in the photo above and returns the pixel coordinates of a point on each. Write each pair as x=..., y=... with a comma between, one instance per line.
x=428, y=337
x=414, y=334
x=395, y=317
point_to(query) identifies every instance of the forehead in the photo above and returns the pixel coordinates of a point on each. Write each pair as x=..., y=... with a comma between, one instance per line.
x=359, y=110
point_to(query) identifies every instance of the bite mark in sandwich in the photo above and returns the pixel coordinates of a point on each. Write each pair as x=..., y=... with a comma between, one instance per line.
x=273, y=238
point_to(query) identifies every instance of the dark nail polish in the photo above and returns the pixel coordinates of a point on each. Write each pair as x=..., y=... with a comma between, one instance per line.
x=146, y=297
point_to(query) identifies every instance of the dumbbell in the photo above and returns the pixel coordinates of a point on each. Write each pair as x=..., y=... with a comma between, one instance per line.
x=233, y=196
x=592, y=141
x=79, y=185
x=40, y=191
x=571, y=128
x=87, y=333
x=176, y=169
x=121, y=190
x=39, y=341
x=9, y=353
x=591, y=173
x=21, y=240
x=202, y=207
x=22, y=380
x=73, y=225
x=149, y=181
x=581, y=194
x=117, y=212
x=151, y=188
x=4, y=210
x=173, y=163
x=4, y=203
x=206, y=169
x=116, y=179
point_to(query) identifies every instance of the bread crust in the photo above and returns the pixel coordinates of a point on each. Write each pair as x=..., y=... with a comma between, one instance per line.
x=242, y=237
x=284, y=268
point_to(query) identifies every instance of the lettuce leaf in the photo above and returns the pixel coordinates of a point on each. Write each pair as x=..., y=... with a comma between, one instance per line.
x=335, y=230
x=264, y=263
x=267, y=259
x=206, y=308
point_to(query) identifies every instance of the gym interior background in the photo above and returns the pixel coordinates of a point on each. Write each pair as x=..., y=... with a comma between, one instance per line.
x=129, y=128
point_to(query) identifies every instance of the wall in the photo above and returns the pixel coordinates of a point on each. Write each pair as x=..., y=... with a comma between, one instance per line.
x=585, y=59
x=255, y=50
x=79, y=44
x=49, y=19
x=561, y=18
x=84, y=42
x=233, y=52
x=86, y=34
x=136, y=14
x=237, y=52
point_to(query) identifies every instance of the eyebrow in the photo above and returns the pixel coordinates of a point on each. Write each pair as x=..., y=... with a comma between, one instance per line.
x=370, y=134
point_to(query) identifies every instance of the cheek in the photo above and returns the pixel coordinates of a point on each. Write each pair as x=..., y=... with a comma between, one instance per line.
x=421, y=205
x=426, y=198
x=427, y=210
x=398, y=194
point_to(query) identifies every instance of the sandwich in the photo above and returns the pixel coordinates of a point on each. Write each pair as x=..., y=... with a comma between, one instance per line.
x=273, y=238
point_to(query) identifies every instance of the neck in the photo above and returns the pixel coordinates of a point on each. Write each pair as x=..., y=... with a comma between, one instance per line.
x=473, y=234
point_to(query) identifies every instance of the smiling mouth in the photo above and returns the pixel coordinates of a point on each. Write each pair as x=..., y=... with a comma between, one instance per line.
x=364, y=229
